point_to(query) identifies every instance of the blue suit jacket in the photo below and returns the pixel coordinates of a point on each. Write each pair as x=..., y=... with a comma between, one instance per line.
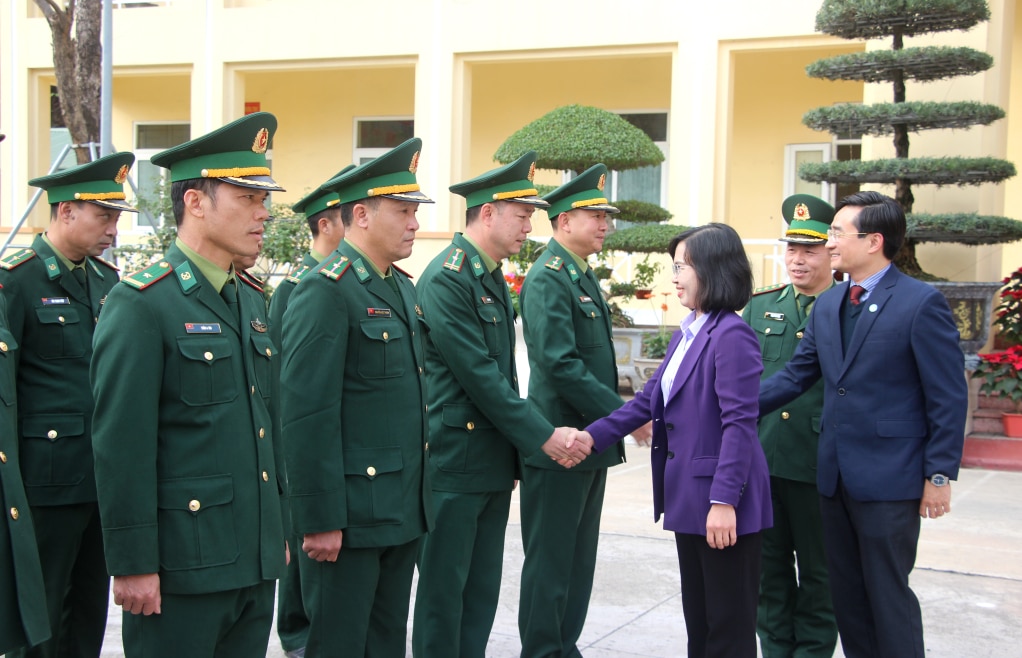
x=704, y=435
x=895, y=404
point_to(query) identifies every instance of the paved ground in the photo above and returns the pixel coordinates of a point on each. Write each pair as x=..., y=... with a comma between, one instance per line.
x=968, y=575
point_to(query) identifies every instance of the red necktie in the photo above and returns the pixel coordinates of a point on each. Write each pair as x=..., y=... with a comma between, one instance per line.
x=855, y=292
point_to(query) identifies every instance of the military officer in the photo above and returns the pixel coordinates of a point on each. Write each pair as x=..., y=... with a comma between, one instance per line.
x=354, y=417
x=795, y=616
x=323, y=214
x=189, y=491
x=573, y=381
x=23, y=618
x=55, y=291
x=478, y=422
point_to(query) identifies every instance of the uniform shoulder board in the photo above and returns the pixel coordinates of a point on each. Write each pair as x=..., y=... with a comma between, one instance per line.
x=19, y=257
x=148, y=276
x=250, y=279
x=400, y=271
x=555, y=263
x=455, y=259
x=335, y=267
x=102, y=261
x=296, y=274
x=766, y=289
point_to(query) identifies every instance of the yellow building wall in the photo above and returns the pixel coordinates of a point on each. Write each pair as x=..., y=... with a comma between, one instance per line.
x=1012, y=254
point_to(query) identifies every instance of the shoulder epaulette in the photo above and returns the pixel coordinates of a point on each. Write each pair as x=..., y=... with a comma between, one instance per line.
x=555, y=263
x=148, y=276
x=250, y=279
x=400, y=271
x=766, y=289
x=334, y=269
x=19, y=257
x=455, y=260
x=107, y=263
x=296, y=274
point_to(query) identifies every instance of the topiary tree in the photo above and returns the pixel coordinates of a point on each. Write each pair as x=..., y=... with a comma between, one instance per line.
x=871, y=19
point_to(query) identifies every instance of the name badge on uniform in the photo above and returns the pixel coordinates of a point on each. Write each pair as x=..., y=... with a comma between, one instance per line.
x=202, y=327
x=769, y=315
x=50, y=301
x=486, y=299
x=378, y=312
x=585, y=299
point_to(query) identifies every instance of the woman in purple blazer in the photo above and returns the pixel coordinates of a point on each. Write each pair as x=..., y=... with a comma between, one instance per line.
x=710, y=478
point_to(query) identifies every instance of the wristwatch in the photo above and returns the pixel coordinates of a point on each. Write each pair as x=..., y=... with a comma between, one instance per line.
x=938, y=480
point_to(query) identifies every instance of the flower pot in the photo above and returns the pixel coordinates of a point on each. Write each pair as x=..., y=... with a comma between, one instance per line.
x=1012, y=425
x=643, y=293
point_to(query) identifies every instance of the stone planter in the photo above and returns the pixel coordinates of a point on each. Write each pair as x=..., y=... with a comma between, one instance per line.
x=972, y=305
x=627, y=350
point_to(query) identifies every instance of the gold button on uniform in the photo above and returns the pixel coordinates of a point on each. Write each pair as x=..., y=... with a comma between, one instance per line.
x=785, y=415
x=3, y=346
x=208, y=356
x=266, y=476
x=767, y=330
x=371, y=471
x=3, y=457
x=262, y=433
x=14, y=513
x=427, y=446
x=269, y=352
x=798, y=335
x=386, y=336
x=194, y=505
x=251, y=391
x=470, y=426
x=60, y=318
x=52, y=434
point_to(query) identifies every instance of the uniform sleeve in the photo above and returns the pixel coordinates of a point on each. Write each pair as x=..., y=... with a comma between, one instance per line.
x=311, y=392
x=547, y=304
x=455, y=333
x=800, y=373
x=127, y=375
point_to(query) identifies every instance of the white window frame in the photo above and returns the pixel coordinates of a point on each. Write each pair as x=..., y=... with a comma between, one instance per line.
x=367, y=153
x=139, y=224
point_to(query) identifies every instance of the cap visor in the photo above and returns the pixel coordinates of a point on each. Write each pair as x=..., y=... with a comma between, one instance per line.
x=803, y=240
x=255, y=182
x=116, y=205
x=414, y=197
x=534, y=201
x=613, y=210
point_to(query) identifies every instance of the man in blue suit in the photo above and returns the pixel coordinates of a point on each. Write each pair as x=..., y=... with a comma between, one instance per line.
x=893, y=423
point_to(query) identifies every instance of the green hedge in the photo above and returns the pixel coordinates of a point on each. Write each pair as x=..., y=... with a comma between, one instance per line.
x=869, y=19
x=880, y=118
x=641, y=212
x=933, y=171
x=963, y=228
x=926, y=63
x=644, y=239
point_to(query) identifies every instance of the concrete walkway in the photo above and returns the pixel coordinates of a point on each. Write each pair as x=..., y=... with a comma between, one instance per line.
x=968, y=575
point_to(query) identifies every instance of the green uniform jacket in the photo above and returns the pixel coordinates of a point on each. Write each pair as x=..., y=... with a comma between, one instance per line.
x=282, y=294
x=23, y=618
x=572, y=367
x=53, y=320
x=789, y=435
x=477, y=419
x=353, y=405
x=184, y=441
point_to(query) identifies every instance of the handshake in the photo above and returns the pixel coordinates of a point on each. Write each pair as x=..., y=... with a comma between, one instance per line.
x=568, y=446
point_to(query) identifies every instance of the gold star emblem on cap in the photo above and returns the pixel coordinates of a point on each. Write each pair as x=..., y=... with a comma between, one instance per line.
x=532, y=171
x=122, y=175
x=414, y=165
x=801, y=212
x=602, y=182
x=262, y=138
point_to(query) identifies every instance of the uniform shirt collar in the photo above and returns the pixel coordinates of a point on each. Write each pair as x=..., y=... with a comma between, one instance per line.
x=210, y=270
x=487, y=261
x=68, y=263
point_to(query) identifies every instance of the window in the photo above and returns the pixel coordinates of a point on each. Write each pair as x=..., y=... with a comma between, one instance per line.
x=646, y=183
x=376, y=136
x=843, y=148
x=153, y=185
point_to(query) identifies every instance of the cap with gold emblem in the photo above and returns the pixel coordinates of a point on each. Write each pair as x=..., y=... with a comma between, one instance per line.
x=322, y=197
x=512, y=182
x=582, y=191
x=100, y=181
x=392, y=175
x=235, y=153
x=808, y=219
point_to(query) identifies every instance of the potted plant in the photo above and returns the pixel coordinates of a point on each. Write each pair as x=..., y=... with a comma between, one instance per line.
x=1000, y=374
x=644, y=274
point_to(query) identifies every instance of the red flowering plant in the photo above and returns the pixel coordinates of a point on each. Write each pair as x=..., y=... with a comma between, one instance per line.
x=1001, y=375
x=1008, y=314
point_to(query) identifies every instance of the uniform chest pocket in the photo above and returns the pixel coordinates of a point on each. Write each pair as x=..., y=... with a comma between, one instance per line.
x=62, y=335
x=8, y=382
x=492, y=319
x=262, y=364
x=207, y=370
x=590, y=329
x=771, y=334
x=380, y=349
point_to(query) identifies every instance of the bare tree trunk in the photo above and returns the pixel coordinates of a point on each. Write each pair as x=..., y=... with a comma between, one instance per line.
x=906, y=257
x=77, y=63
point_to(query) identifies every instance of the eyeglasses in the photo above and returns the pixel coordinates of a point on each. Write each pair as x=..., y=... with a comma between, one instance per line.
x=837, y=235
x=678, y=268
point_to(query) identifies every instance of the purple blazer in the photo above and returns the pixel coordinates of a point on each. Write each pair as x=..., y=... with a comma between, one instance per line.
x=705, y=445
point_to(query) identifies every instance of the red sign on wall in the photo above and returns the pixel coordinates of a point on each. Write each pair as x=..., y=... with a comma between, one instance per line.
x=251, y=106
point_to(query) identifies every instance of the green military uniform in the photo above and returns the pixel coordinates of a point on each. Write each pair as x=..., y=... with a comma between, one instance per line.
x=354, y=423
x=292, y=622
x=23, y=618
x=52, y=309
x=478, y=424
x=795, y=616
x=573, y=380
x=184, y=438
